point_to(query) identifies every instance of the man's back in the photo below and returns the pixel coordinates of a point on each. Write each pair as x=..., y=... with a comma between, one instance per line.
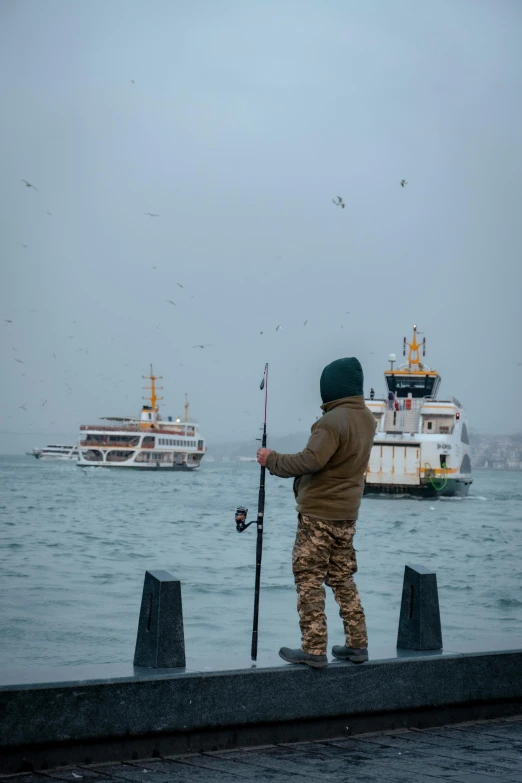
x=333, y=465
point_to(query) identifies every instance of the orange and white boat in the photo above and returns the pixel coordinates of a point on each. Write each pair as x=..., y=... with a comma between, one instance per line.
x=146, y=443
x=421, y=444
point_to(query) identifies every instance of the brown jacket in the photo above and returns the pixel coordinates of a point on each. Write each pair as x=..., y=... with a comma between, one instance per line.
x=330, y=471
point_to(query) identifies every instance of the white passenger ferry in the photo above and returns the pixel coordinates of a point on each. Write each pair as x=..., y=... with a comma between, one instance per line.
x=54, y=453
x=147, y=443
x=421, y=444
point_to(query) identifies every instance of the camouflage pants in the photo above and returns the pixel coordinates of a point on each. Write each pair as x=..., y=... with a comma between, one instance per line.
x=324, y=553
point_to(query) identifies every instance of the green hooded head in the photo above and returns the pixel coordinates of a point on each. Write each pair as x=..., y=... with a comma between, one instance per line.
x=342, y=378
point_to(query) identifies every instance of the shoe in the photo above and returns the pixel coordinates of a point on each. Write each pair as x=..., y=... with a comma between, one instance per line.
x=298, y=656
x=353, y=654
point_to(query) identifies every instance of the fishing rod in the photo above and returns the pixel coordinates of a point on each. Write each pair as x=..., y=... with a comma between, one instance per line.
x=242, y=524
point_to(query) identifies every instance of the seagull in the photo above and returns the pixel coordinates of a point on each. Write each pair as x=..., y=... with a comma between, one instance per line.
x=403, y=183
x=261, y=332
x=29, y=246
x=132, y=81
x=278, y=328
x=207, y=345
x=19, y=361
x=305, y=323
x=154, y=267
x=23, y=407
x=338, y=202
x=54, y=356
x=179, y=285
x=519, y=364
x=44, y=403
x=28, y=185
x=152, y=214
x=171, y=302
x=7, y=321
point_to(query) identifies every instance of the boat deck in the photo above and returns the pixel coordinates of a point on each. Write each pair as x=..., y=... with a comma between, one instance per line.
x=479, y=752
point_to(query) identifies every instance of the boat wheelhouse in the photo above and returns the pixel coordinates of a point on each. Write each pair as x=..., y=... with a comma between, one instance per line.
x=147, y=443
x=421, y=444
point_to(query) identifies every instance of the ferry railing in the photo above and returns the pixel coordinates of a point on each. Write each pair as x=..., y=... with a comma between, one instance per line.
x=145, y=428
x=119, y=444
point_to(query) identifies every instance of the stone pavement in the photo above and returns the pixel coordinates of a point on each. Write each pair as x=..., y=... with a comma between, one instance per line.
x=484, y=752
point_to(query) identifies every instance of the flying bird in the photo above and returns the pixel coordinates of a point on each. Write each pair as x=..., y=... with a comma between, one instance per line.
x=261, y=332
x=7, y=321
x=278, y=328
x=152, y=214
x=29, y=246
x=305, y=323
x=132, y=81
x=171, y=302
x=179, y=285
x=28, y=185
x=54, y=356
x=207, y=345
x=338, y=202
x=19, y=361
x=519, y=364
x=48, y=213
x=44, y=403
x=23, y=407
x=403, y=183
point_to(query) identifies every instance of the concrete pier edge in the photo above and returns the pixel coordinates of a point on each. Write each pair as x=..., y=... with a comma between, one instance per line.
x=43, y=725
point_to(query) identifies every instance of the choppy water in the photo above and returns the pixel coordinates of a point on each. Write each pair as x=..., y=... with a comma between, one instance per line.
x=74, y=549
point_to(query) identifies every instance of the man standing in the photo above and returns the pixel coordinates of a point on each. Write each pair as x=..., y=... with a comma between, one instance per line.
x=328, y=486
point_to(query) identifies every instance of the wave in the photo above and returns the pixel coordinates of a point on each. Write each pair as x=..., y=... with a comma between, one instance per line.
x=504, y=603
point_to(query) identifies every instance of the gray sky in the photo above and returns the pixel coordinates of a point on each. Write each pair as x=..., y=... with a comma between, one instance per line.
x=245, y=119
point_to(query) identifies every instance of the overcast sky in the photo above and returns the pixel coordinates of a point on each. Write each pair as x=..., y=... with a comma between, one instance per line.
x=238, y=121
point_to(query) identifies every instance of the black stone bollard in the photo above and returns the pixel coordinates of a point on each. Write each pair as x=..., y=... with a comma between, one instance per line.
x=419, y=621
x=161, y=640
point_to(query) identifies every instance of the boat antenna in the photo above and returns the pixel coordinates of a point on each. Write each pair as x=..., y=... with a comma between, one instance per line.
x=152, y=388
x=242, y=525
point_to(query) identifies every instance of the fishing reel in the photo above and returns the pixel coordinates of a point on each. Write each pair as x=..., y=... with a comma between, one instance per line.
x=241, y=515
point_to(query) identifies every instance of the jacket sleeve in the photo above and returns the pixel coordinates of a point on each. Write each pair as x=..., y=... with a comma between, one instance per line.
x=323, y=443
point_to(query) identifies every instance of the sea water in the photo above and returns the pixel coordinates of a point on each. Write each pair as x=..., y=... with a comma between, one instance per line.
x=75, y=545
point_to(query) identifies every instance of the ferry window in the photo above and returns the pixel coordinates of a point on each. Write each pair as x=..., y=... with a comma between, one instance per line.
x=430, y=425
x=417, y=386
x=464, y=437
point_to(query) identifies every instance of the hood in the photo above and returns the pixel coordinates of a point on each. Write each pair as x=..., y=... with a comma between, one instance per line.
x=342, y=378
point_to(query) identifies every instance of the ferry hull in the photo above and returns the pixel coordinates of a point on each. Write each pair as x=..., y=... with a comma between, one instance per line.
x=452, y=488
